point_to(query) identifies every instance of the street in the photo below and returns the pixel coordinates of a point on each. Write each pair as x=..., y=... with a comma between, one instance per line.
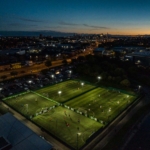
x=103, y=138
x=37, y=67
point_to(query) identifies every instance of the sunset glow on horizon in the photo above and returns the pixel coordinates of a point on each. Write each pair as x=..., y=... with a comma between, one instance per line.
x=98, y=16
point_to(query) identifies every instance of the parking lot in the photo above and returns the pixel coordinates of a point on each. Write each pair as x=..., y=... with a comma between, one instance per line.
x=36, y=81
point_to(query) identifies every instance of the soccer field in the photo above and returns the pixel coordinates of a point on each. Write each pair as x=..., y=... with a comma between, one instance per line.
x=101, y=103
x=67, y=125
x=68, y=89
x=29, y=104
x=75, y=114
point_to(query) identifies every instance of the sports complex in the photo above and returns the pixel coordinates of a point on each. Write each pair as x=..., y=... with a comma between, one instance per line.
x=72, y=111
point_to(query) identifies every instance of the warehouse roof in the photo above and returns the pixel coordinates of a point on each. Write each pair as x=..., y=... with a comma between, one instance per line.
x=20, y=136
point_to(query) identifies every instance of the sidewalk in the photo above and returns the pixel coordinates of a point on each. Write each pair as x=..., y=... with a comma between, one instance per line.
x=116, y=128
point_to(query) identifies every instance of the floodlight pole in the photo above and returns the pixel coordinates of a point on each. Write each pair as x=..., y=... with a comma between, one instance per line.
x=59, y=92
x=70, y=72
x=56, y=123
x=82, y=84
x=77, y=141
x=27, y=107
x=139, y=88
x=93, y=113
x=98, y=78
x=0, y=89
x=52, y=76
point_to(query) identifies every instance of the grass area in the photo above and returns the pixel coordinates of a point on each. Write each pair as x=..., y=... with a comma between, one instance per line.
x=3, y=109
x=66, y=124
x=71, y=123
x=101, y=103
x=68, y=89
x=29, y=104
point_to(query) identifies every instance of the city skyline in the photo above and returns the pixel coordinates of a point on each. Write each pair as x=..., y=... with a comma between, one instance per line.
x=86, y=16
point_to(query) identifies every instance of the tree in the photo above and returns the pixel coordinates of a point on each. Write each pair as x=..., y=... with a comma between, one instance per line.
x=109, y=78
x=48, y=63
x=90, y=58
x=104, y=75
x=118, y=79
x=125, y=82
x=81, y=58
x=119, y=72
x=3, y=77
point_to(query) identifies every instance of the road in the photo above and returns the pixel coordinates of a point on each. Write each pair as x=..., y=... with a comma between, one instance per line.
x=117, y=127
x=102, y=139
x=133, y=134
x=38, y=67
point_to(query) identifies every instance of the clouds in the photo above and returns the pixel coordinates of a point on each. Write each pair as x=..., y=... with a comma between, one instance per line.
x=67, y=23
x=26, y=19
x=29, y=20
x=97, y=27
x=21, y=24
x=15, y=22
x=82, y=25
x=15, y=17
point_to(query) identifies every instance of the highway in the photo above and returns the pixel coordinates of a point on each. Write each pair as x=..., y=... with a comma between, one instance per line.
x=28, y=70
x=38, y=67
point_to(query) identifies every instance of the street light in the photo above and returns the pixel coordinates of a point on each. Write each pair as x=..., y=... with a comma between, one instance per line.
x=98, y=78
x=0, y=89
x=139, y=87
x=70, y=72
x=30, y=81
x=52, y=76
x=78, y=134
x=59, y=92
x=82, y=84
x=109, y=110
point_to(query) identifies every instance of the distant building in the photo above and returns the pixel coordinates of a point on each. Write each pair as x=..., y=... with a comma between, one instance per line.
x=141, y=58
x=15, y=65
x=103, y=51
x=99, y=50
x=129, y=49
x=66, y=46
x=29, y=63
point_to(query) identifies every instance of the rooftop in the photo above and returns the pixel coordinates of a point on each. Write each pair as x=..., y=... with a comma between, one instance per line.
x=99, y=49
x=20, y=136
x=4, y=143
x=143, y=54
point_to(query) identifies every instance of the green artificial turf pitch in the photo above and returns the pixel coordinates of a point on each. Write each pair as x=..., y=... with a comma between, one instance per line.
x=84, y=105
x=29, y=104
x=101, y=103
x=66, y=124
x=68, y=89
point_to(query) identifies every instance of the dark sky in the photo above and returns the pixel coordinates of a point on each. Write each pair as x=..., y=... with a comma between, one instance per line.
x=81, y=16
